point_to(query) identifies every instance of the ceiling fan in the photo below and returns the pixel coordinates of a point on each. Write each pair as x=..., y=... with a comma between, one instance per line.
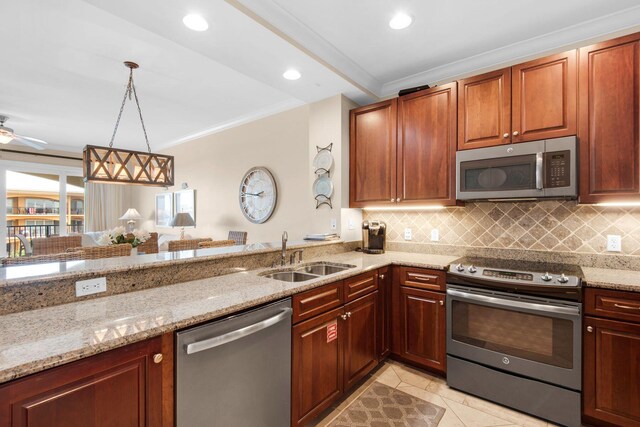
x=7, y=135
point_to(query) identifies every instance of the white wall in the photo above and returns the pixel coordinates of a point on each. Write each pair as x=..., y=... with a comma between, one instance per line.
x=285, y=143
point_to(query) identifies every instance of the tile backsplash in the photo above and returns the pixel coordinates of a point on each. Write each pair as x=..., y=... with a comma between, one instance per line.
x=554, y=225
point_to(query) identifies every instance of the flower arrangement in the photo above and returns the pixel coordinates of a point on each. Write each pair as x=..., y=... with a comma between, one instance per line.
x=119, y=235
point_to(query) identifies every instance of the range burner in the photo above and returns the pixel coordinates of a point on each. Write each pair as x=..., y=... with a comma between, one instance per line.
x=533, y=278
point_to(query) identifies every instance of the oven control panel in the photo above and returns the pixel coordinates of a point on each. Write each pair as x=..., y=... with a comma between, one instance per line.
x=510, y=275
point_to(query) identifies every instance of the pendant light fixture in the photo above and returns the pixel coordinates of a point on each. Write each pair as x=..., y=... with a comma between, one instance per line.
x=116, y=166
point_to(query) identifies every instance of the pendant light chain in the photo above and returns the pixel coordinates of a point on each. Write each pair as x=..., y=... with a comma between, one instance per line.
x=131, y=88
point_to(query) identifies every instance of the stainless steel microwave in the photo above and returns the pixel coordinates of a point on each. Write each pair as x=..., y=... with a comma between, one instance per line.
x=529, y=170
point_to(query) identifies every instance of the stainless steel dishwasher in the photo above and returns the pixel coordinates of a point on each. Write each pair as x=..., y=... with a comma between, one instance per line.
x=236, y=371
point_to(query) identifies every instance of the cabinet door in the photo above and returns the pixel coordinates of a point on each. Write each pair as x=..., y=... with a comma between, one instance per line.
x=422, y=322
x=427, y=126
x=609, y=117
x=317, y=359
x=372, y=174
x=611, y=389
x=119, y=388
x=384, y=311
x=544, y=98
x=360, y=350
x=484, y=110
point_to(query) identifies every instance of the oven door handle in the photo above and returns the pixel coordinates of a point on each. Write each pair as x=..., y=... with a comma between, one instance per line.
x=515, y=304
x=539, y=171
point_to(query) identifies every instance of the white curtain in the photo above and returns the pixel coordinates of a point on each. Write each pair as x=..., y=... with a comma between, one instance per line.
x=104, y=204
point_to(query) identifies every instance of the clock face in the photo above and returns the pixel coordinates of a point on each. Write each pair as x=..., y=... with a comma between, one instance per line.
x=258, y=195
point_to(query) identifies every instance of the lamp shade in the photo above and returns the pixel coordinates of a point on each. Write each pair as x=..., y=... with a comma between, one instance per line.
x=182, y=219
x=131, y=214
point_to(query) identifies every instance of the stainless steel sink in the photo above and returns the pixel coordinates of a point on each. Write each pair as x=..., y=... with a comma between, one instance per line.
x=290, y=276
x=324, y=268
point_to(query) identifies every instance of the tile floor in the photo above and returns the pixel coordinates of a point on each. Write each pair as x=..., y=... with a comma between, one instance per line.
x=461, y=410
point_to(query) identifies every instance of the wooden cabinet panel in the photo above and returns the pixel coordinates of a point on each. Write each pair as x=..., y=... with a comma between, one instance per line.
x=317, y=301
x=372, y=168
x=422, y=278
x=422, y=322
x=360, y=285
x=544, y=98
x=118, y=388
x=317, y=365
x=360, y=352
x=613, y=304
x=384, y=312
x=609, y=117
x=611, y=389
x=484, y=110
x=427, y=126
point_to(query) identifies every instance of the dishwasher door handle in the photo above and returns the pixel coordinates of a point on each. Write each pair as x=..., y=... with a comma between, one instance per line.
x=239, y=333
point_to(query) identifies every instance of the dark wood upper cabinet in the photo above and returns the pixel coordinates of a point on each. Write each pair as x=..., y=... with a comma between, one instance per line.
x=611, y=389
x=360, y=347
x=609, y=121
x=372, y=154
x=484, y=110
x=544, y=98
x=123, y=387
x=427, y=126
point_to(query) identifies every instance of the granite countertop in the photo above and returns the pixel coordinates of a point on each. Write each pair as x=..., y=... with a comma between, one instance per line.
x=621, y=280
x=36, y=340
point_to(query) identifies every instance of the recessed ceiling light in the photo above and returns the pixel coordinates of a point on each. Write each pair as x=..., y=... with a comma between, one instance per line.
x=195, y=22
x=292, y=74
x=400, y=21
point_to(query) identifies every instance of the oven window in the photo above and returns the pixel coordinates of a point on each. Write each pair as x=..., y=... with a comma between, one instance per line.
x=533, y=337
x=504, y=174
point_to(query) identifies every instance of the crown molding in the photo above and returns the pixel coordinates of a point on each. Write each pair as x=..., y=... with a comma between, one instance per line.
x=582, y=34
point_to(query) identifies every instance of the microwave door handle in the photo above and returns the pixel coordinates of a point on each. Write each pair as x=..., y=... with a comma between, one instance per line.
x=500, y=302
x=539, y=170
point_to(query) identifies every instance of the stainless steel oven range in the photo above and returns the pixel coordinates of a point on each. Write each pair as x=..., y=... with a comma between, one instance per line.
x=514, y=335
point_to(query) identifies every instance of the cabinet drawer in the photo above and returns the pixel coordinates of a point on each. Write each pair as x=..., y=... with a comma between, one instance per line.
x=317, y=301
x=422, y=278
x=360, y=285
x=613, y=304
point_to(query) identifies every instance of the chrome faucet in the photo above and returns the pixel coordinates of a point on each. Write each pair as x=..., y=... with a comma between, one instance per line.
x=283, y=256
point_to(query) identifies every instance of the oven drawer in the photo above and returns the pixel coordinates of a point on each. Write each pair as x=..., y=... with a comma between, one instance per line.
x=422, y=278
x=617, y=305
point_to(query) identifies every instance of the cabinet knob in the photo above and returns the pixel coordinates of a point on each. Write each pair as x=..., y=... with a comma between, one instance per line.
x=516, y=133
x=393, y=200
x=382, y=277
x=506, y=135
x=157, y=358
x=348, y=314
x=441, y=302
x=589, y=328
x=398, y=199
x=343, y=316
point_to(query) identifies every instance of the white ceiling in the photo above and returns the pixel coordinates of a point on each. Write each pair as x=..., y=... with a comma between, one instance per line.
x=62, y=78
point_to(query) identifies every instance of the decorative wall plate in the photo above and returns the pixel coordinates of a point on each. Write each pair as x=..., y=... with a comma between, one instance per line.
x=323, y=160
x=258, y=195
x=323, y=186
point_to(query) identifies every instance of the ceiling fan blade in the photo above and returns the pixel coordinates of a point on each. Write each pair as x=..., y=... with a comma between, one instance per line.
x=26, y=141
x=28, y=138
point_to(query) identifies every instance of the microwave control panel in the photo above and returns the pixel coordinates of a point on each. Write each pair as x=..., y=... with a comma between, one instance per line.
x=557, y=169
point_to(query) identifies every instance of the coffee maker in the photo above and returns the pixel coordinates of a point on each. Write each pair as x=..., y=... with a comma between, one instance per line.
x=374, y=235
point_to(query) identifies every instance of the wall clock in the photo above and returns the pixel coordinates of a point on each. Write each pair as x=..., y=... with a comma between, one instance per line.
x=258, y=195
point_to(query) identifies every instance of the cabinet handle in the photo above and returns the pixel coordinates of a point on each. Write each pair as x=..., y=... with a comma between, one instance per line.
x=382, y=277
x=589, y=328
x=516, y=133
x=343, y=316
x=506, y=135
x=157, y=358
x=626, y=307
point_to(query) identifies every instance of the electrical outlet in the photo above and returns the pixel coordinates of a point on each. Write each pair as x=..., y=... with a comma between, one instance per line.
x=614, y=243
x=91, y=286
x=408, y=234
x=334, y=223
x=435, y=235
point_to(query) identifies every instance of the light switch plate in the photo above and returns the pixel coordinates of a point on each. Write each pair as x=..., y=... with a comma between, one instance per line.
x=91, y=286
x=614, y=243
x=352, y=224
x=408, y=234
x=435, y=235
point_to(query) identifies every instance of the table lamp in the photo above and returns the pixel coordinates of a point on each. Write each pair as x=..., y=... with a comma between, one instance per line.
x=131, y=216
x=182, y=219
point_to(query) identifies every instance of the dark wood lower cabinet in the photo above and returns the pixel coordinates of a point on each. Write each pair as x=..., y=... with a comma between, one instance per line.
x=119, y=388
x=384, y=312
x=360, y=349
x=317, y=365
x=422, y=327
x=611, y=389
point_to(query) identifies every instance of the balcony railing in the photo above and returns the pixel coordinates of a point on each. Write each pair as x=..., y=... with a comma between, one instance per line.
x=17, y=210
x=15, y=247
